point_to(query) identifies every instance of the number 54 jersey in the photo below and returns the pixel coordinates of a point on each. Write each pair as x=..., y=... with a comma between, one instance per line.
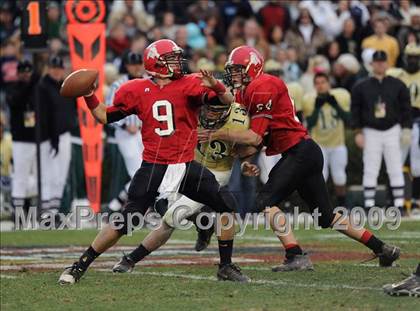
x=169, y=115
x=217, y=154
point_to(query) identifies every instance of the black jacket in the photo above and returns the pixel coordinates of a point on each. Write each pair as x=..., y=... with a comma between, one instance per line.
x=20, y=97
x=366, y=95
x=57, y=114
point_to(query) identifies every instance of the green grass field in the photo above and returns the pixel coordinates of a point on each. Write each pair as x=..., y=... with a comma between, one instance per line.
x=177, y=278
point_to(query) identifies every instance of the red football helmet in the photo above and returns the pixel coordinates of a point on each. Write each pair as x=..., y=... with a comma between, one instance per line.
x=164, y=59
x=244, y=64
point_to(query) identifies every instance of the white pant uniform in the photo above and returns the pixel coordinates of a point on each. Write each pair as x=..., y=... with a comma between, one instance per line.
x=266, y=163
x=175, y=214
x=131, y=149
x=24, y=170
x=415, y=150
x=335, y=159
x=55, y=168
x=387, y=144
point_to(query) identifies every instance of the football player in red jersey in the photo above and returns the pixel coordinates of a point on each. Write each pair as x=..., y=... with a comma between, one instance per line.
x=275, y=125
x=168, y=105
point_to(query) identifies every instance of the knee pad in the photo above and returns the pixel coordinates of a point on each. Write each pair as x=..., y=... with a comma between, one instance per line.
x=176, y=215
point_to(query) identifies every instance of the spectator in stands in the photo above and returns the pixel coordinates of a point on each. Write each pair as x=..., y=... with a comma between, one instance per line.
x=54, y=22
x=120, y=8
x=292, y=71
x=235, y=30
x=410, y=33
x=138, y=43
x=200, y=11
x=326, y=17
x=316, y=64
x=349, y=39
x=181, y=38
x=196, y=40
x=8, y=63
x=220, y=60
x=117, y=41
x=7, y=25
x=130, y=26
x=275, y=38
x=232, y=9
x=168, y=27
x=404, y=11
x=380, y=40
x=213, y=27
x=254, y=36
x=274, y=14
x=306, y=37
x=332, y=51
x=345, y=71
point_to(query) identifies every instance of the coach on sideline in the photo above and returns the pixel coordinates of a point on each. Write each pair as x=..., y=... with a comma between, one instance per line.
x=381, y=116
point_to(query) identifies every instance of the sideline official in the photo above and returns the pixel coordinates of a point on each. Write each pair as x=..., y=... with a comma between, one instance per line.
x=381, y=116
x=58, y=116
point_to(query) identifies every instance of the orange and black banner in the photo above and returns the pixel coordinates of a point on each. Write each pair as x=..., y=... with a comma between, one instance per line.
x=86, y=36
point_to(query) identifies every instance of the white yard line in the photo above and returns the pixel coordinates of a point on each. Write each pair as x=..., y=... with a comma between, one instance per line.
x=3, y=276
x=260, y=281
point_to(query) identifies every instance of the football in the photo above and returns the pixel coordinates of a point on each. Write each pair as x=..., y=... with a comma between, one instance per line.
x=79, y=83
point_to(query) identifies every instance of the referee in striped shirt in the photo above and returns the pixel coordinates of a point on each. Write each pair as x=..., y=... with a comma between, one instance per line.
x=127, y=130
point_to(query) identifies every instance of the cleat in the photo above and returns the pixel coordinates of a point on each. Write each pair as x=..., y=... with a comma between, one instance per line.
x=407, y=287
x=71, y=275
x=125, y=265
x=231, y=272
x=388, y=255
x=203, y=238
x=295, y=263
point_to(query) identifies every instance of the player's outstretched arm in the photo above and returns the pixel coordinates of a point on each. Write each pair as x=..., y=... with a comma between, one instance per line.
x=101, y=112
x=212, y=83
x=98, y=110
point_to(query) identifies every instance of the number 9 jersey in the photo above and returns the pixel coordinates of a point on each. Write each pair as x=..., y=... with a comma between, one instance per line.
x=169, y=114
x=217, y=155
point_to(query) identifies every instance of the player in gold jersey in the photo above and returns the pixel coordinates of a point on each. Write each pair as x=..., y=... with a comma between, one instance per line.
x=326, y=113
x=410, y=75
x=218, y=157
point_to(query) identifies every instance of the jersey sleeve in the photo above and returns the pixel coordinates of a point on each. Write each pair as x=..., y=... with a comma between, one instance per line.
x=261, y=106
x=196, y=92
x=124, y=100
x=261, y=101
